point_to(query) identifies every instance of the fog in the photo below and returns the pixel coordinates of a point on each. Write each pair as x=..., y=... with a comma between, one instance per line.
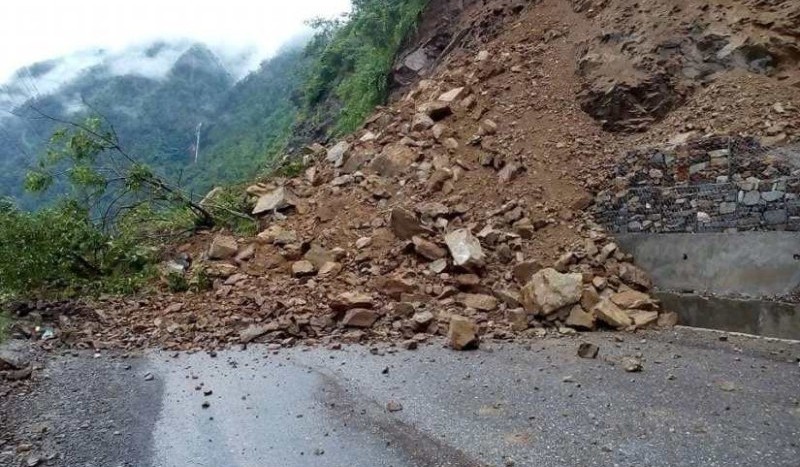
x=144, y=37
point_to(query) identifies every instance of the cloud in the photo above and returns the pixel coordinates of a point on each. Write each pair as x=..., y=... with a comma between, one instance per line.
x=253, y=30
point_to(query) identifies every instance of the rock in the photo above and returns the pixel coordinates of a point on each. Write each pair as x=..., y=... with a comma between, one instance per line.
x=631, y=365
x=303, y=268
x=564, y=262
x=422, y=319
x=549, y=290
x=487, y=127
x=451, y=95
x=13, y=358
x=438, y=266
x=318, y=256
x=635, y=277
x=630, y=299
x=410, y=344
x=394, y=406
x=337, y=153
x=609, y=313
x=587, y=350
x=223, y=247
x=462, y=334
x=465, y=249
x=589, y=297
x=642, y=318
x=394, y=287
x=437, y=110
x=360, y=318
x=349, y=300
x=330, y=269
x=363, y=242
x=751, y=198
x=428, y=249
x=277, y=235
x=479, y=302
x=405, y=224
x=518, y=318
x=606, y=252
x=421, y=122
x=393, y=160
x=509, y=172
x=254, y=332
x=276, y=200
x=580, y=319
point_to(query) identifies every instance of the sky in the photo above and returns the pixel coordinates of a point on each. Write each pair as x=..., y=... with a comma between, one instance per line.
x=35, y=30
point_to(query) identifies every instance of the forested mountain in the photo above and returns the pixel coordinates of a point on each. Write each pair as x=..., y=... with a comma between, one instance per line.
x=156, y=115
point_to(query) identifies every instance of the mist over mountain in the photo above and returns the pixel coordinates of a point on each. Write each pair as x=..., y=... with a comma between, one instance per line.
x=156, y=96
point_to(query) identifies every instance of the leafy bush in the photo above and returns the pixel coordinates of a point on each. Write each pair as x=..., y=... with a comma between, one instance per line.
x=61, y=248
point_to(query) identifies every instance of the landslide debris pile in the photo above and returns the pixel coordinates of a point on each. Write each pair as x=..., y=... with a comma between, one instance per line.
x=375, y=240
x=461, y=208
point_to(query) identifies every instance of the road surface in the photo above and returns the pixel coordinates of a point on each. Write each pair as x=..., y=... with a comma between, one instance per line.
x=699, y=401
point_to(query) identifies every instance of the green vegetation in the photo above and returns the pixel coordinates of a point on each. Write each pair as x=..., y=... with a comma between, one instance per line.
x=354, y=57
x=5, y=323
x=117, y=194
x=103, y=234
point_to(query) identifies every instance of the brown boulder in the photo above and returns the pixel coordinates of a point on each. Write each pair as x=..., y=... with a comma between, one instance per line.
x=360, y=318
x=462, y=334
x=223, y=247
x=549, y=290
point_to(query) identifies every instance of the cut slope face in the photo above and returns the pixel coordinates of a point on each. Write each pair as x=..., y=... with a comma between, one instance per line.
x=455, y=198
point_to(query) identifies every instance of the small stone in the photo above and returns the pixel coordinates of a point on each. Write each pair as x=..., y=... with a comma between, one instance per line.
x=148, y=377
x=428, y=249
x=360, y=318
x=609, y=313
x=394, y=406
x=631, y=365
x=479, y=302
x=580, y=319
x=363, y=242
x=587, y=350
x=727, y=386
x=303, y=268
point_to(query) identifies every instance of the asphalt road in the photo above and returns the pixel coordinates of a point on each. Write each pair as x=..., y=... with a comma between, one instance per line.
x=699, y=401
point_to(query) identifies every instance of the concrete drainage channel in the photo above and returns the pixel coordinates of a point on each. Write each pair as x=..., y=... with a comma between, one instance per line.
x=743, y=282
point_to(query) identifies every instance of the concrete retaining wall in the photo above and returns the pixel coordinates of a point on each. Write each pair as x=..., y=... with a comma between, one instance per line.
x=753, y=264
x=761, y=317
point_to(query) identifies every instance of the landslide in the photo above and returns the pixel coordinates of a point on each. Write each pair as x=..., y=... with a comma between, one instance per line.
x=506, y=119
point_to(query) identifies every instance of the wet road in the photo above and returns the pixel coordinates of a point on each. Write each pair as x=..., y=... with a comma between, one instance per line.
x=699, y=401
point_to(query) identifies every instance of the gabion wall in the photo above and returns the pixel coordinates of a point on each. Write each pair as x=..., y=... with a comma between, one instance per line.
x=709, y=185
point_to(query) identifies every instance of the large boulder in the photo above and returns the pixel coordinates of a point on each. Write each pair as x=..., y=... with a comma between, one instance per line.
x=223, y=247
x=549, y=290
x=393, y=160
x=465, y=248
x=280, y=198
x=609, y=313
x=337, y=153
